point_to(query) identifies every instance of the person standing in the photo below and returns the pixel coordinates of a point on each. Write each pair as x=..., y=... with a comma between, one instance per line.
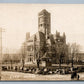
x=78, y=77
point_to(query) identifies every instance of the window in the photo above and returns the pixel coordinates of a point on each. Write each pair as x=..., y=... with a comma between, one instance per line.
x=44, y=24
x=30, y=59
x=48, y=37
x=47, y=24
x=30, y=48
x=58, y=40
x=41, y=25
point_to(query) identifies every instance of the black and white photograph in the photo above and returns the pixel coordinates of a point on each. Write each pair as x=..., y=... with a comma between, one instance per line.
x=41, y=42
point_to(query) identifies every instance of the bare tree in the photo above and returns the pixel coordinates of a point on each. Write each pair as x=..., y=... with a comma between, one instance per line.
x=23, y=54
x=5, y=58
x=74, y=49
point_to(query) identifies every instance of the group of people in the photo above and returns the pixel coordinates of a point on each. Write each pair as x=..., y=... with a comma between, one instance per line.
x=75, y=76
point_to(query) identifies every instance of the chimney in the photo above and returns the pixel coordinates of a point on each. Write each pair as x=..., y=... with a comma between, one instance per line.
x=27, y=36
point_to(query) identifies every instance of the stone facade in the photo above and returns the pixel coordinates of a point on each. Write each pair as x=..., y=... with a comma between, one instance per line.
x=43, y=44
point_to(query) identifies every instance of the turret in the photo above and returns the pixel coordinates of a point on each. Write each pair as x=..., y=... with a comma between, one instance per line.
x=57, y=34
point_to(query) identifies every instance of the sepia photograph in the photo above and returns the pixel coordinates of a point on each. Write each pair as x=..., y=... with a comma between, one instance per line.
x=41, y=42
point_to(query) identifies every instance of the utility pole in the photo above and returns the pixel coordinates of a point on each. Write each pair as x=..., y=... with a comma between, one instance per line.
x=72, y=54
x=23, y=55
x=1, y=30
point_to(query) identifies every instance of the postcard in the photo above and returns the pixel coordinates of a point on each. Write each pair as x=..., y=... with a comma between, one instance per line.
x=41, y=42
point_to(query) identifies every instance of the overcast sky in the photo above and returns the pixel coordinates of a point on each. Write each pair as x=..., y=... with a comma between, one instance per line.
x=17, y=19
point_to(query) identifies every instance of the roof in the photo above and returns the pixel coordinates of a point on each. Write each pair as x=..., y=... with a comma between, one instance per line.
x=39, y=36
x=44, y=11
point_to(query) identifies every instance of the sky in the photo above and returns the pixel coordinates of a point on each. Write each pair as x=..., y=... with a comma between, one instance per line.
x=18, y=19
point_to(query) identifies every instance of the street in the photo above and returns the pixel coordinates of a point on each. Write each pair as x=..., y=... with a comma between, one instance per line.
x=6, y=75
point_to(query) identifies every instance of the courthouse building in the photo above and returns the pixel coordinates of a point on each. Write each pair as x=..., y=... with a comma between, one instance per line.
x=44, y=44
